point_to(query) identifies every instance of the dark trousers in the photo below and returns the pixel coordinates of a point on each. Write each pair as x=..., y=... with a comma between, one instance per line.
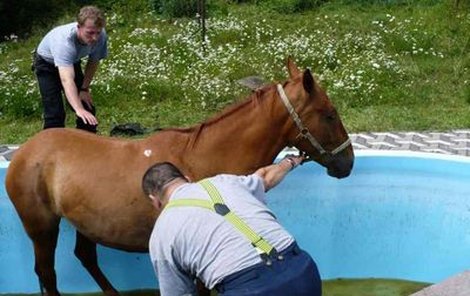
x=295, y=274
x=51, y=89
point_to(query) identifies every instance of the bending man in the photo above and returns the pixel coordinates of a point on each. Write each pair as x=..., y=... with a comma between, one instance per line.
x=220, y=231
x=57, y=66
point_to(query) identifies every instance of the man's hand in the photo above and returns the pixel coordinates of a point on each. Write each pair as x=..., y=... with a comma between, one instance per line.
x=293, y=160
x=86, y=116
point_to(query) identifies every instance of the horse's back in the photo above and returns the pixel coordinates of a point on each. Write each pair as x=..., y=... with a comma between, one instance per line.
x=48, y=143
x=42, y=156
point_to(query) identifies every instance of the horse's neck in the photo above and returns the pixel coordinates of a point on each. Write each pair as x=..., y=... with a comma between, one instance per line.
x=241, y=140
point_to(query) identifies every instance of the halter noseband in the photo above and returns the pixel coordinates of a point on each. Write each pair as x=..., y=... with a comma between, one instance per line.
x=304, y=132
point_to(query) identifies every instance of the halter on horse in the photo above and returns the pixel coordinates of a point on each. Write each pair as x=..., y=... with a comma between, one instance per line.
x=304, y=133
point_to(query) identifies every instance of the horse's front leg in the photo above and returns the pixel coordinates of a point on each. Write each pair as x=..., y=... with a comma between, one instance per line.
x=85, y=250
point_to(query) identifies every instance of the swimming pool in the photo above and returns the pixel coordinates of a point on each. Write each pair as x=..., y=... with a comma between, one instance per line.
x=399, y=215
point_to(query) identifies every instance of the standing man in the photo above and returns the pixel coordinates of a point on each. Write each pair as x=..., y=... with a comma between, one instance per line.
x=57, y=66
x=220, y=231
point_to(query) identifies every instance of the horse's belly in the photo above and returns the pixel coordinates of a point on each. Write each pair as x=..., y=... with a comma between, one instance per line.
x=128, y=232
x=126, y=239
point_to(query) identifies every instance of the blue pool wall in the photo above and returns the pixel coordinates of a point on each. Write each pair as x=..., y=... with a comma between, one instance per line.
x=399, y=215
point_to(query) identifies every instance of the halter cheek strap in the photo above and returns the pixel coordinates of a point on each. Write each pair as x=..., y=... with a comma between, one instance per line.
x=304, y=132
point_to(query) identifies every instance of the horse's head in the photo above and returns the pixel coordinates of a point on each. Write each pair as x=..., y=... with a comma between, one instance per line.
x=316, y=129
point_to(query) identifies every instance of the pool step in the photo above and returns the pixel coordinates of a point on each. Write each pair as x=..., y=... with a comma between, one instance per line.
x=458, y=285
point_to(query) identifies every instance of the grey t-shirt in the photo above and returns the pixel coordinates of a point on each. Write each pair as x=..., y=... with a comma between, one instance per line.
x=190, y=242
x=61, y=46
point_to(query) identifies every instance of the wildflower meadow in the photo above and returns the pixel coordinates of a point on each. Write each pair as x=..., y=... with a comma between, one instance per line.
x=384, y=67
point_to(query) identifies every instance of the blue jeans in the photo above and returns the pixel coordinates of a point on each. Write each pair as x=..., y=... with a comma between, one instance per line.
x=295, y=274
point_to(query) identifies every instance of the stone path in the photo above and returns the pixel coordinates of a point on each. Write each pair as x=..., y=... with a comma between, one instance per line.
x=6, y=152
x=452, y=142
x=458, y=285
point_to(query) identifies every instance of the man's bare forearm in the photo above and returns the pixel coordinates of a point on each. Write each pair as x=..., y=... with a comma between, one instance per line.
x=275, y=173
x=90, y=70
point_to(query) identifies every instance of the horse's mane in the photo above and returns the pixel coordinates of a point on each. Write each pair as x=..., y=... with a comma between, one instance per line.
x=254, y=98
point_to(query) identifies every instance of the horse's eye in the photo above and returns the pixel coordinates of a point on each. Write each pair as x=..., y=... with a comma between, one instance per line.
x=331, y=116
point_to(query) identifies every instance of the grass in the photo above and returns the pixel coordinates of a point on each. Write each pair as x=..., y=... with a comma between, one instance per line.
x=386, y=67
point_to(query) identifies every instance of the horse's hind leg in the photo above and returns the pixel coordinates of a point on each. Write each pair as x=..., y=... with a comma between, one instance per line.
x=85, y=250
x=45, y=242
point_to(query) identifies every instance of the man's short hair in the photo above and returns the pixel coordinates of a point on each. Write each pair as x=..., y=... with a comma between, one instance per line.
x=93, y=13
x=159, y=175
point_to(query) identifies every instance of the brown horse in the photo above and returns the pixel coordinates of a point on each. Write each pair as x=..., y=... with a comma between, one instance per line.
x=94, y=181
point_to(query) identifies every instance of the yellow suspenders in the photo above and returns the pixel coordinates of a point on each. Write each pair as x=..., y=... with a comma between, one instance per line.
x=217, y=205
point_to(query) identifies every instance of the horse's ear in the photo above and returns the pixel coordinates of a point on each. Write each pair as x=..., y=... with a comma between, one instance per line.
x=292, y=68
x=308, y=82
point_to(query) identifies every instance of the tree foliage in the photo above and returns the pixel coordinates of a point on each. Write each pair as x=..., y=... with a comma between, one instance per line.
x=19, y=17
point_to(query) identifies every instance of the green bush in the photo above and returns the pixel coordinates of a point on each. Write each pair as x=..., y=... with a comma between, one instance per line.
x=102, y=4
x=19, y=17
x=175, y=8
x=127, y=9
x=291, y=6
x=388, y=2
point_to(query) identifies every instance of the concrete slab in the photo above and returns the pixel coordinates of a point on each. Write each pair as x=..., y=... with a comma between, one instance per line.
x=458, y=285
x=6, y=152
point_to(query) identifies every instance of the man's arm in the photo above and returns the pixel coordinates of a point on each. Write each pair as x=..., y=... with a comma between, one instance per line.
x=273, y=174
x=90, y=70
x=67, y=76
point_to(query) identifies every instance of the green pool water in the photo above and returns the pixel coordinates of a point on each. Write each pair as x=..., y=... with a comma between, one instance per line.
x=371, y=287
x=338, y=287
